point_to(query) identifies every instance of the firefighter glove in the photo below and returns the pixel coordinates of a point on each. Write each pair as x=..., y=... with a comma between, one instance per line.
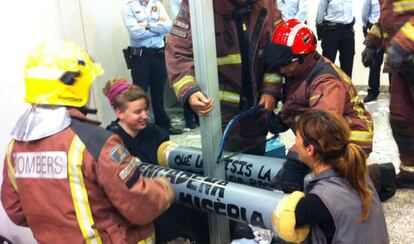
x=169, y=189
x=396, y=55
x=275, y=124
x=368, y=56
x=284, y=219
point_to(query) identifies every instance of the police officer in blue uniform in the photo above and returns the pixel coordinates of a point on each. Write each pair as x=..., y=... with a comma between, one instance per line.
x=334, y=24
x=370, y=16
x=148, y=22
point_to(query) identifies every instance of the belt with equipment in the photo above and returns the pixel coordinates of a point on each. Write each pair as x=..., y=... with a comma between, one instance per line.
x=336, y=26
x=143, y=51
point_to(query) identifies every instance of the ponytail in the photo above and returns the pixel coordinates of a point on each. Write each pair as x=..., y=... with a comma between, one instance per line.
x=352, y=166
x=329, y=133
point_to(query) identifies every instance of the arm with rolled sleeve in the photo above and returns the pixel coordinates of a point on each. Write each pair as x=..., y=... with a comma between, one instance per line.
x=163, y=25
x=138, y=199
x=320, y=14
x=137, y=31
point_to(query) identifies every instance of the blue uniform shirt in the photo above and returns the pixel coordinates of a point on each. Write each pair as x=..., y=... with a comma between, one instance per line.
x=293, y=9
x=337, y=11
x=147, y=23
x=175, y=7
x=370, y=12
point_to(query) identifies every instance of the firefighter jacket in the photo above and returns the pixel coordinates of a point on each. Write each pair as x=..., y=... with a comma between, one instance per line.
x=80, y=185
x=258, y=27
x=324, y=86
x=396, y=24
x=376, y=37
x=398, y=21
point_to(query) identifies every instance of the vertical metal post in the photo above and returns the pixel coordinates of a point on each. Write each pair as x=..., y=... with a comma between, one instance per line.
x=205, y=62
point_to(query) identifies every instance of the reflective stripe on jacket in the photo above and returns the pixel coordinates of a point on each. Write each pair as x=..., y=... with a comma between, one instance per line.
x=396, y=15
x=327, y=87
x=80, y=185
x=179, y=52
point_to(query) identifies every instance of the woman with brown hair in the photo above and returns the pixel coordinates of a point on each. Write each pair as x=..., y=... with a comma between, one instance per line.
x=142, y=139
x=340, y=203
x=130, y=104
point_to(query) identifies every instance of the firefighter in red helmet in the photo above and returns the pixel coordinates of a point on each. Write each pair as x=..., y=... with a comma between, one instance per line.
x=314, y=82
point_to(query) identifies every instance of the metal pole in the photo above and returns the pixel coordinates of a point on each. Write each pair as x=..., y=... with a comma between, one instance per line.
x=205, y=63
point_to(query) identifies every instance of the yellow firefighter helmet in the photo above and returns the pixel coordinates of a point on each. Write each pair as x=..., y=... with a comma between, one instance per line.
x=59, y=73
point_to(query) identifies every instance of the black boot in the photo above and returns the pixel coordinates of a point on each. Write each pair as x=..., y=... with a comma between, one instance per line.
x=174, y=131
x=372, y=96
x=191, y=125
x=290, y=177
x=384, y=179
x=388, y=181
x=405, y=181
x=240, y=230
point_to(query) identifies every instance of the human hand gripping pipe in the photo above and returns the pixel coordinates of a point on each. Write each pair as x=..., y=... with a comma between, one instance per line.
x=258, y=171
x=235, y=201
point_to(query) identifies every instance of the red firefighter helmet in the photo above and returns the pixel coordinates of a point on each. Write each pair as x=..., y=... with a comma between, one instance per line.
x=296, y=35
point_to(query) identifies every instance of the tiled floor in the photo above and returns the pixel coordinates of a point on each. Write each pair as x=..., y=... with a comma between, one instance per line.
x=399, y=210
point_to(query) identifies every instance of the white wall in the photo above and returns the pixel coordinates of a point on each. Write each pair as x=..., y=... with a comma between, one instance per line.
x=98, y=27
x=106, y=36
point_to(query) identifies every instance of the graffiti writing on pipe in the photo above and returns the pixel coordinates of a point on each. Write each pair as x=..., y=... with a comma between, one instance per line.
x=186, y=160
x=239, y=171
x=212, y=195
